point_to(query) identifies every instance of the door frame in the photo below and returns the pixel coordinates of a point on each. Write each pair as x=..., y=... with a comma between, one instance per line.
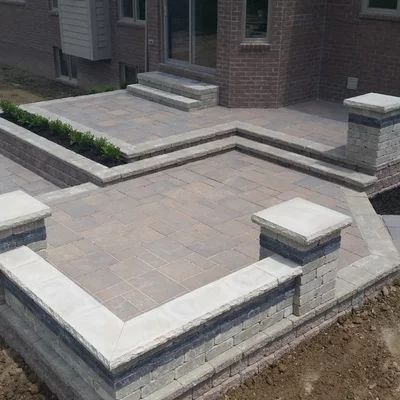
x=179, y=63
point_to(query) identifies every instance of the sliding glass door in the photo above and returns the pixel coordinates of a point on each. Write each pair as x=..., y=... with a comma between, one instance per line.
x=192, y=32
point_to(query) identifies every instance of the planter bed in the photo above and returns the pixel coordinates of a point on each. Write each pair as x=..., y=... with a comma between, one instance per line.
x=96, y=149
x=48, y=159
x=73, y=169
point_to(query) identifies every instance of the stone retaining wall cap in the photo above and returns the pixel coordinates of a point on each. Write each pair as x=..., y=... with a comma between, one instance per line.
x=301, y=220
x=380, y=103
x=18, y=208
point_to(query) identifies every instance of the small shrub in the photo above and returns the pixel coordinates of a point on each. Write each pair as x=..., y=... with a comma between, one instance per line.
x=82, y=140
x=107, y=149
x=59, y=128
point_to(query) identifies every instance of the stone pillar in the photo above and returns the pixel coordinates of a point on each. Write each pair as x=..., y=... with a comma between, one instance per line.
x=308, y=235
x=22, y=222
x=373, y=139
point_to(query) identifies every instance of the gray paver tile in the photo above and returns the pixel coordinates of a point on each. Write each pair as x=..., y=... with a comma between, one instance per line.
x=130, y=268
x=168, y=249
x=59, y=235
x=98, y=280
x=122, y=308
x=157, y=286
x=180, y=270
x=119, y=289
x=140, y=300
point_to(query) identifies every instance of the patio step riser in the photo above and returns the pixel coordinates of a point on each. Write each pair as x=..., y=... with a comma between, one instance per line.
x=179, y=85
x=211, y=98
x=166, y=98
x=175, y=91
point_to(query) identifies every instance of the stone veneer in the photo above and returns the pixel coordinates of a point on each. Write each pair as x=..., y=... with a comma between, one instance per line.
x=309, y=235
x=183, y=348
x=374, y=131
x=22, y=222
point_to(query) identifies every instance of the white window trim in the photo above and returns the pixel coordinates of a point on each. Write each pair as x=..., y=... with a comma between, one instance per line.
x=380, y=11
x=265, y=39
x=52, y=8
x=135, y=13
x=68, y=77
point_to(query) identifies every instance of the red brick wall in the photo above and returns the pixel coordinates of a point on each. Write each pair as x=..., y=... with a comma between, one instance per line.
x=155, y=33
x=314, y=46
x=359, y=47
x=28, y=34
x=284, y=73
x=287, y=72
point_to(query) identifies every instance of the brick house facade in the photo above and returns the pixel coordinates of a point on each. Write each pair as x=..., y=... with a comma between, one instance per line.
x=312, y=48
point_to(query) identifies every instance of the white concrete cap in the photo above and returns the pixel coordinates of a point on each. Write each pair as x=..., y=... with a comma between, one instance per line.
x=18, y=208
x=380, y=103
x=114, y=342
x=301, y=220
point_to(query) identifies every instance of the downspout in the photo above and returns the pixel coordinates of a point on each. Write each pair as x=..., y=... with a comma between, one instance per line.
x=146, y=41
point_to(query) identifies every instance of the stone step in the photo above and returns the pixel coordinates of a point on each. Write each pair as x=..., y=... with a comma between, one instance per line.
x=191, y=88
x=165, y=98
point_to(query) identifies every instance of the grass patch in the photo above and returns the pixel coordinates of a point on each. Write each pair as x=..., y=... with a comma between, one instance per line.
x=98, y=149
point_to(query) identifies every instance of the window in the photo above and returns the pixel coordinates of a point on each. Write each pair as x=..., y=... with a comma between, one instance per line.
x=257, y=17
x=66, y=66
x=127, y=74
x=53, y=5
x=133, y=9
x=388, y=7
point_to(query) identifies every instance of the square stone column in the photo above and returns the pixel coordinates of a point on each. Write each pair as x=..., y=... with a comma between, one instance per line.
x=373, y=138
x=309, y=235
x=22, y=222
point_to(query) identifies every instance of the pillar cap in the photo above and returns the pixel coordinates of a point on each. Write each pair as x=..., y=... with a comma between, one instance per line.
x=301, y=220
x=18, y=208
x=375, y=102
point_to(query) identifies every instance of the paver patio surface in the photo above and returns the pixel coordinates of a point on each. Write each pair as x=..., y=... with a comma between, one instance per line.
x=15, y=177
x=135, y=120
x=140, y=243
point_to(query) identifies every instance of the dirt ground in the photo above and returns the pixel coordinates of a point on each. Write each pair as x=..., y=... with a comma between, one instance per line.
x=358, y=358
x=21, y=87
x=17, y=381
x=387, y=202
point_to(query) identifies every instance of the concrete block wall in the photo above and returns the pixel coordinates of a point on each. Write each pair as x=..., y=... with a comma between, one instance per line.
x=22, y=222
x=206, y=352
x=309, y=235
x=16, y=143
x=216, y=354
x=202, y=357
x=373, y=138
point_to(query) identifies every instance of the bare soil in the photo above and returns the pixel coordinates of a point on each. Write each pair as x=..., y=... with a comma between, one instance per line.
x=358, y=358
x=21, y=87
x=387, y=202
x=17, y=381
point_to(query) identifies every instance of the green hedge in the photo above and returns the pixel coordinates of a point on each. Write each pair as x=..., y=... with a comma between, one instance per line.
x=81, y=141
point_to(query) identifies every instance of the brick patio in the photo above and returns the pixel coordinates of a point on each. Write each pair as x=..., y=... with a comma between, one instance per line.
x=143, y=242
x=135, y=120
